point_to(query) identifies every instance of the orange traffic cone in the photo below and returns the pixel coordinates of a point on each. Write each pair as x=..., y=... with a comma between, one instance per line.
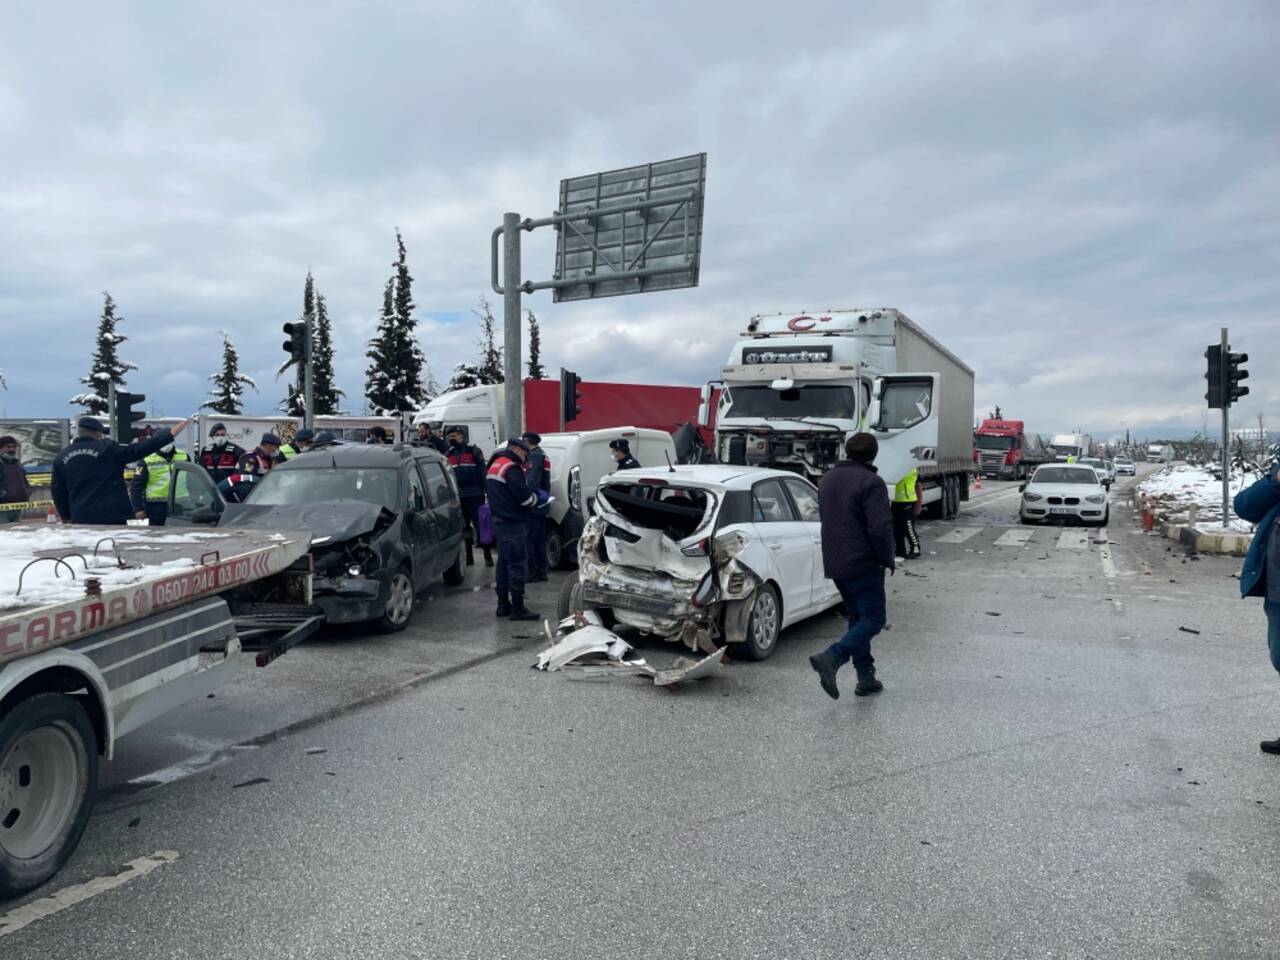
x=977, y=481
x=51, y=516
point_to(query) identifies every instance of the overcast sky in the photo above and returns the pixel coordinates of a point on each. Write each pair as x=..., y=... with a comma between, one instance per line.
x=1073, y=197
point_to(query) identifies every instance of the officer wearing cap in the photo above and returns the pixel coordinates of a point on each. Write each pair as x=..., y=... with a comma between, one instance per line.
x=88, y=475
x=221, y=457
x=621, y=450
x=511, y=502
x=537, y=475
x=325, y=439
x=301, y=443
x=149, y=490
x=261, y=458
x=467, y=462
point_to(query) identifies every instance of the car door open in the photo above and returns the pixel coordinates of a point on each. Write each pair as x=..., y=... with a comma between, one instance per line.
x=193, y=496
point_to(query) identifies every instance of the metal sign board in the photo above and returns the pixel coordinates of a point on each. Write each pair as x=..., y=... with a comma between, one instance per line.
x=633, y=230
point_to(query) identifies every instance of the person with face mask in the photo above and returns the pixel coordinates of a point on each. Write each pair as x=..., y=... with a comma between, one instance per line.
x=13, y=480
x=221, y=457
x=88, y=476
x=301, y=443
x=149, y=491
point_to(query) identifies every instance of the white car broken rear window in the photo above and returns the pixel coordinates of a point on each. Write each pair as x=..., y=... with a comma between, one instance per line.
x=677, y=511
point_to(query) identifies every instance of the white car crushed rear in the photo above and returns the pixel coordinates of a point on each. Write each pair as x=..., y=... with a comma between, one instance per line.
x=704, y=555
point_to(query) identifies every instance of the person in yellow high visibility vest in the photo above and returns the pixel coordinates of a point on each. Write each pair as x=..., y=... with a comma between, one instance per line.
x=301, y=443
x=906, y=504
x=1071, y=458
x=149, y=489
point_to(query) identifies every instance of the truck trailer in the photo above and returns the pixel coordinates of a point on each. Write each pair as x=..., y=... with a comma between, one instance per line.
x=1004, y=450
x=105, y=629
x=796, y=386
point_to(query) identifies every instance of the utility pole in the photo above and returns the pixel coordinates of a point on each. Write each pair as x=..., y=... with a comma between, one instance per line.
x=309, y=380
x=111, y=407
x=1226, y=433
x=513, y=388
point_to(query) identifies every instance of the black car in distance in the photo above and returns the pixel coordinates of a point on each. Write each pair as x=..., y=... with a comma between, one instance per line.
x=385, y=521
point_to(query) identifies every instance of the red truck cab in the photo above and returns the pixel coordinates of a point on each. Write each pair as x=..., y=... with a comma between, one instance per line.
x=1003, y=450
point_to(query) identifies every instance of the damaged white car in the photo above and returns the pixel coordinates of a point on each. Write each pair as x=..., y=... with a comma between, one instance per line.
x=706, y=555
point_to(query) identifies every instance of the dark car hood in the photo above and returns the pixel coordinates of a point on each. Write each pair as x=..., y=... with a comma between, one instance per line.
x=334, y=520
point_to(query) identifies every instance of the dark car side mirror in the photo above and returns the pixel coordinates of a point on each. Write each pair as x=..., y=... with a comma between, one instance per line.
x=1022, y=488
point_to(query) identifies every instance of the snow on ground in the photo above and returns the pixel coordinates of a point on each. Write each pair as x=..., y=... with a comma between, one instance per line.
x=1176, y=488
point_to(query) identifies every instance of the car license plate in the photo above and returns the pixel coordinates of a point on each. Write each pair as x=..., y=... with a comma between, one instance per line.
x=1062, y=511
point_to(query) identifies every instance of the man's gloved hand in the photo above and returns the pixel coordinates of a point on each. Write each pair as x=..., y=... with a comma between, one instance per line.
x=543, y=497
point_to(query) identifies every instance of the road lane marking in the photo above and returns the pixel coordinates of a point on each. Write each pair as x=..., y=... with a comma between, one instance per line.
x=958, y=535
x=29, y=913
x=1014, y=538
x=1074, y=539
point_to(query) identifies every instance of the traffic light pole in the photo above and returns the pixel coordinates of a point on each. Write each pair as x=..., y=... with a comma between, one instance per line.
x=1226, y=433
x=514, y=385
x=309, y=385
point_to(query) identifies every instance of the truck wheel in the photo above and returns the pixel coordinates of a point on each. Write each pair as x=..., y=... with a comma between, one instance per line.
x=457, y=571
x=48, y=777
x=763, y=627
x=400, y=603
x=571, y=602
x=555, y=547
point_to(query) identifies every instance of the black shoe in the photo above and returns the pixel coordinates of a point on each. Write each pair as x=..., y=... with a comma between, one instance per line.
x=504, y=604
x=913, y=556
x=867, y=683
x=1271, y=746
x=826, y=668
x=488, y=557
x=519, y=611
x=538, y=578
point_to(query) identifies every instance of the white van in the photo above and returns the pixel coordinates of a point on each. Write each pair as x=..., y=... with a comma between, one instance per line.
x=578, y=461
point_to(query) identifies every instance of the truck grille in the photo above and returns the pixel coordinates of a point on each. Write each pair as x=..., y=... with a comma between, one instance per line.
x=990, y=459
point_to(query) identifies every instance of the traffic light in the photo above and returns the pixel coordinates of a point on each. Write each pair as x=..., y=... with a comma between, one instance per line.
x=1214, y=376
x=122, y=428
x=1234, y=374
x=296, y=345
x=570, y=396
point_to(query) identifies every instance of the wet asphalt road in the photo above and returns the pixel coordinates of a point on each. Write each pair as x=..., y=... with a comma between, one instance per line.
x=1057, y=768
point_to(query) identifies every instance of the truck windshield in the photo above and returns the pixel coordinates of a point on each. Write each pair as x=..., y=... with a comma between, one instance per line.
x=824, y=401
x=993, y=443
x=376, y=485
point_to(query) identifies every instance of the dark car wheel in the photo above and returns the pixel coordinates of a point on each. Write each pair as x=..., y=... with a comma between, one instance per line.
x=555, y=547
x=48, y=777
x=763, y=627
x=400, y=601
x=457, y=572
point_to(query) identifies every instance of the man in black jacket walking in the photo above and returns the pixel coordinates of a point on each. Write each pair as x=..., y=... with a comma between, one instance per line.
x=537, y=474
x=88, y=476
x=857, y=548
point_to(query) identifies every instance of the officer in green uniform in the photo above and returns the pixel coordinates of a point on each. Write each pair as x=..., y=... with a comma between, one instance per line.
x=149, y=490
x=906, y=504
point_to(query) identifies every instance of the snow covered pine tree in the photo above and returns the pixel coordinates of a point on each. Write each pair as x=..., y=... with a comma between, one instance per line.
x=393, y=380
x=107, y=366
x=227, y=396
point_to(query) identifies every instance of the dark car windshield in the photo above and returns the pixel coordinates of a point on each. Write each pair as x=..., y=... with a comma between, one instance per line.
x=376, y=485
x=810, y=400
x=993, y=443
x=1064, y=475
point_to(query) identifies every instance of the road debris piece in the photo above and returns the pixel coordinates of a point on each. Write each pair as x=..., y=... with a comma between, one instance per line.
x=585, y=650
x=1189, y=630
x=316, y=751
x=250, y=783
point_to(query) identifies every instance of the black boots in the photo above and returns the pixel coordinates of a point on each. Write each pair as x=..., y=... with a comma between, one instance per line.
x=519, y=611
x=488, y=556
x=867, y=682
x=471, y=553
x=826, y=666
x=504, y=604
x=1271, y=746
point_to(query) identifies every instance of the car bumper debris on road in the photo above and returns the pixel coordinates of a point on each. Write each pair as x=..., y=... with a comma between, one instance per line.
x=583, y=649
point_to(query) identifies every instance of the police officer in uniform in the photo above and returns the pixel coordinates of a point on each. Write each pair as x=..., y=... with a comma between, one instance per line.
x=621, y=450
x=906, y=505
x=261, y=458
x=511, y=501
x=221, y=457
x=467, y=462
x=300, y=443
x=149, y=490
x=537, y=475
x=88, y=475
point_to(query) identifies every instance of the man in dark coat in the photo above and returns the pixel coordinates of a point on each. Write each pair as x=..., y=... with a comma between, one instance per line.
x=261, y=458
x=1260, y=576
x=88, y=476
x=857, y=548
x=621, y=450
x=221, y=457
x=537, y=475
x=511, y=501
x=467, y=462
x=14, y=487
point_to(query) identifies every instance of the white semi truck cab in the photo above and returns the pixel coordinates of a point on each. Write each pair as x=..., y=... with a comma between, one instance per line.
x=796, y=386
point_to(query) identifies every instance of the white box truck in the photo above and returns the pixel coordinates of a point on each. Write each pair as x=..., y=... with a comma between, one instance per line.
x=796, y=386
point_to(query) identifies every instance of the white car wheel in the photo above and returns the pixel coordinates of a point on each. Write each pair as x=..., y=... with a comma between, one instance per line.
x=763, y=627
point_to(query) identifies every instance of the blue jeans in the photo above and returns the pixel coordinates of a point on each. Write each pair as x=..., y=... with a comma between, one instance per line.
x=864, y=602
x=1272, y=610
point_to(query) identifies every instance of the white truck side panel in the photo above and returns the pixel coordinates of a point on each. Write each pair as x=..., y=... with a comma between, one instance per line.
x=917, y=351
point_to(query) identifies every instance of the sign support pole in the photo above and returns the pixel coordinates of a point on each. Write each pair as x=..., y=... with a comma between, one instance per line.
x=1226, y=433
x=514, y=385
x=309, y=382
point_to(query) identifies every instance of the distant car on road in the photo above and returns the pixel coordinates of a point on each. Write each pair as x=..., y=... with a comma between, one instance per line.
x=385, y=521
x=1065, y=492
x=1106, y=474
x=1125, y=467
x=703, y=554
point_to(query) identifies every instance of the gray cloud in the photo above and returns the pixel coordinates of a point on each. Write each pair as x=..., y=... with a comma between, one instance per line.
x=1073, y=199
